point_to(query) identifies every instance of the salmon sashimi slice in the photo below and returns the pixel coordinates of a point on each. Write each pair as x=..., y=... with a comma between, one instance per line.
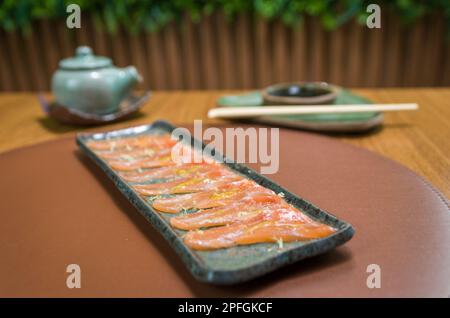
x=159, y=141
x=127, y=154
x=172, y=172
x=247, y=191
x=144, y=164
x=146, y=141
x=268, y=228
x=159, y=159
x=187, y=185
x=234, y=213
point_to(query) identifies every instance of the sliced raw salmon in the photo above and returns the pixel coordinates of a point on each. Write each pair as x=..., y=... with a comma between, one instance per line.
x=199, y=200
x=267, y=228
x=234, y=210
x=224, y=215
x=172, y=172
x=145, y=141
x=245, y=190
x=144, y=164
x=127, y=154
x=159, y=159
x=187, y=185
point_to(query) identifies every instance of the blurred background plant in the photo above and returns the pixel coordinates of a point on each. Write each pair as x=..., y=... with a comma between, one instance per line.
x=152, y=15
x=232, y=44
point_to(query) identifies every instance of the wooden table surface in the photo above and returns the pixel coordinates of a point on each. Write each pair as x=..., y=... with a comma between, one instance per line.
x=419, y=140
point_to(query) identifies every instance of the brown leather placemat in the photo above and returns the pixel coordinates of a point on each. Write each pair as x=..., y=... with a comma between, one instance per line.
x=58, y=208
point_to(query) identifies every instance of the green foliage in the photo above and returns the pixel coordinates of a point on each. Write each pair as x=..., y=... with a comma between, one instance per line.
x=151, y=15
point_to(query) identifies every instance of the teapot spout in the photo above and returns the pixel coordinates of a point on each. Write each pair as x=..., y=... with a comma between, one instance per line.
x=133, y=75
x=129, y=77
x=121, y=82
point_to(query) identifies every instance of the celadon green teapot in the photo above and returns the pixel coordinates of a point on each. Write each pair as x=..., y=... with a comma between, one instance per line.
x=92, y=84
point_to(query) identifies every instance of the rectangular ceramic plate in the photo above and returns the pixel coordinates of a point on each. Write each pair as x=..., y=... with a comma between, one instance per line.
x=230, y=265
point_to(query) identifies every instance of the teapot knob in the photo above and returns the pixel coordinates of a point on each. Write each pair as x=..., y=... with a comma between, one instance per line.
x=83, y=51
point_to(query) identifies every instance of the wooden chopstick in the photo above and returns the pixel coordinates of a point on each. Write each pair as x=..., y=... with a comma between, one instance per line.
x=246, y=112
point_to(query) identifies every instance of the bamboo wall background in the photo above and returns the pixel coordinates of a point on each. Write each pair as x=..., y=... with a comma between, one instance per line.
x=245, y=53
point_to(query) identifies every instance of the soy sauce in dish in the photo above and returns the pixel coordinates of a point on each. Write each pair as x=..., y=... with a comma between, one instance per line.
x=300, y=91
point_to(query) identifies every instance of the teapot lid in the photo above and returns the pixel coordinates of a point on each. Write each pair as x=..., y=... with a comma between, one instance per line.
x=85, y=59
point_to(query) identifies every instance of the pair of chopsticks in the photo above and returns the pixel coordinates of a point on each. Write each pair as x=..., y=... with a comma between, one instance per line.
x=248, y=112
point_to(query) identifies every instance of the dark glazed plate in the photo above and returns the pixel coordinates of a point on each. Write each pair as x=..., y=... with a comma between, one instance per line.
x=230, y=265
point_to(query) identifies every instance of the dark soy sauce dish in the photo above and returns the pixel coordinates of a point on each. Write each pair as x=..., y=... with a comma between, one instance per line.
x=300, y=93
x=307, y=90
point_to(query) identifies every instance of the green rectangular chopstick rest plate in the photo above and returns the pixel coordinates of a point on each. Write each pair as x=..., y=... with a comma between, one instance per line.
x=342, y=122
